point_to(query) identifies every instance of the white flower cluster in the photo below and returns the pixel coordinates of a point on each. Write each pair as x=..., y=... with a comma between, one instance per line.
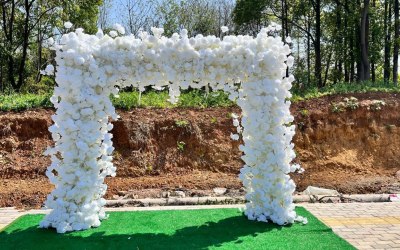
x=268, y=151
x=92, y=67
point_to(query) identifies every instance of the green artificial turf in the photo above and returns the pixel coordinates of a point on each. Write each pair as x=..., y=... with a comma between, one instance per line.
x=175, y=229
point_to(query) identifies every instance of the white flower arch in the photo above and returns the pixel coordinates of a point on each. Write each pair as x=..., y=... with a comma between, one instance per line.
x=92, y=67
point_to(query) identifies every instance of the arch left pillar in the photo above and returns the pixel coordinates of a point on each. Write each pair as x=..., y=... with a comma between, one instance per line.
x=82, y=153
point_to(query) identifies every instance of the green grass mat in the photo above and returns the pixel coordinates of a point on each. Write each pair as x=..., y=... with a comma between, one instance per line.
x=175, y=229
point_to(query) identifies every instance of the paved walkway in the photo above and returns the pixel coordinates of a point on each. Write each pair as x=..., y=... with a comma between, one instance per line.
x=364, y=225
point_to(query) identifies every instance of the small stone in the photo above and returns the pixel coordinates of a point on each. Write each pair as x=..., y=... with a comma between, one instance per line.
x=398, y=174
x=122, y=193
x=165, y=194
x=180, y=194
x=131, y=196
x=219, y=191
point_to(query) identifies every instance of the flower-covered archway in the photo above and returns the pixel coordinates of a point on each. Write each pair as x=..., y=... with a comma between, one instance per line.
x=90, y=68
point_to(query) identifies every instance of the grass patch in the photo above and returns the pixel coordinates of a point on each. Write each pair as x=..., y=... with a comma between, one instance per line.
x=176, y=229
x=343, y=88
x=159, y=99
x=127, y=100
x=190, y=98
x=19, y=102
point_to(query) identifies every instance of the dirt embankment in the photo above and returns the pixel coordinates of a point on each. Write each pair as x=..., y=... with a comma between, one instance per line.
x=351, y=146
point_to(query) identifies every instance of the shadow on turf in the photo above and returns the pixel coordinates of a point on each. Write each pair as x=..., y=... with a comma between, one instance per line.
x=195, y=237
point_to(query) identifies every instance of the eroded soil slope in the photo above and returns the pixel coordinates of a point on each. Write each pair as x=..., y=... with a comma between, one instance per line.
x=354, y=148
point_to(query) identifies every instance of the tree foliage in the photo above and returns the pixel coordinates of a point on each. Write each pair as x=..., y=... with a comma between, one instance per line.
x=197, y=16
x=334, y=40
x=26, y=26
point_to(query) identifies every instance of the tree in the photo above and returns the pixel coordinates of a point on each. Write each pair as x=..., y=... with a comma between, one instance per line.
x=138, y=15
x=249, y=16
x=82, y=13
x=317, y=42
x=364, y=30
x=26, y=24
x=19, y=22
x=104, y=14
x=197, y=16
x=396, y=41
x=387, y=18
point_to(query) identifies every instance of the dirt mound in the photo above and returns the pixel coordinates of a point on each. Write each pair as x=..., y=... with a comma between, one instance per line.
x=347, y=144
x=353, y=150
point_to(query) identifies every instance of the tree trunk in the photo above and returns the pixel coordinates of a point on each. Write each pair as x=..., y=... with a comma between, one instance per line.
x=372, y=37
x=10, y=72
x=1, y=78
x=352, y=58
x=386, y=25
x=25, y=44
x=308, y=51
x=327, y=68
x=364, y=27
x=346, y=44
x=287, y=18
x=285, y=26
x=339, y=47
x=39, y=42
x=373, y=75
x=283, y=19
x=317, y=43
x=396, y=41
x=8, y=27
x=353, y=32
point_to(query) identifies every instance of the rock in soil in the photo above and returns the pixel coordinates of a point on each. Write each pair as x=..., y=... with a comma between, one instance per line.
x=219, y=191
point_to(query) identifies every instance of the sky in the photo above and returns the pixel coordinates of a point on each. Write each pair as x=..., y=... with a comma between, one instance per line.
x=117, y=10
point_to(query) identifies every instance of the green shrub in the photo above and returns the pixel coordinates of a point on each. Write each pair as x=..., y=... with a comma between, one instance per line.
x=18, y=102
x=39, y=95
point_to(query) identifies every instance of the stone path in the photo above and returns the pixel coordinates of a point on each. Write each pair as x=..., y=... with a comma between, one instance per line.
x=364, y=225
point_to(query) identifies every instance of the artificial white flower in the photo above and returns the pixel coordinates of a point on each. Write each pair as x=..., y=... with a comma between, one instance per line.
x=48, y=71
x=67, y=25
x=118, y=27
x=99, y=33
x=290, y=61
x=49, y=42
x=157, y=32
x=113, y=33
x=224, y=29
x=234, y=137
x=236, y=122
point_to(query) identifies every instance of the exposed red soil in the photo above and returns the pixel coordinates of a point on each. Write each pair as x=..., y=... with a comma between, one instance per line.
x=353, y=151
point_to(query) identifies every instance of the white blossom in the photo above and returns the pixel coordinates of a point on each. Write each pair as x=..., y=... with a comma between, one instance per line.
x=113, y=33
x=224, y=29
x=235, y=137
x=118, y=27
x=290, y=61
x=49, y=42
x=67, y=25
x=48, y=71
